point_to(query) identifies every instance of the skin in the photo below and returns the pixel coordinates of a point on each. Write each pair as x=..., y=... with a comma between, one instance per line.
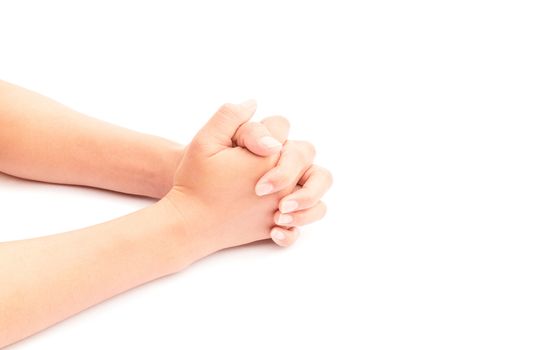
x=42, y=140
x=47, y=279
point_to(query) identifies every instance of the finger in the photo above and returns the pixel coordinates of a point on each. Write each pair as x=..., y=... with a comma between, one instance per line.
x=295, y=158
x=278, y=126
x=315, y=183
x=257, y=139
x=264, y=138
x=218, y=132
x=284, y=237
x=303, y=217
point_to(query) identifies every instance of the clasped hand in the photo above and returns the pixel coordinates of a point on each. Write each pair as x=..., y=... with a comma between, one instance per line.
x=247, y=181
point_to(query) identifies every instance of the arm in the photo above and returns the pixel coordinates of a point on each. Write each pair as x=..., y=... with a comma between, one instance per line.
x=40, y=139
x=47, y=279
x=43, y=140
x=211, y=206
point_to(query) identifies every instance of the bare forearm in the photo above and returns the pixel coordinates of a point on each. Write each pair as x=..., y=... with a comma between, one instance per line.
x=43, y=140
x=48, y=279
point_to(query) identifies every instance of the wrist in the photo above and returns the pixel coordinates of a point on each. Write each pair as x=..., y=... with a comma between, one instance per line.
x=199, y=226
x=172, y=153
x=181, y=243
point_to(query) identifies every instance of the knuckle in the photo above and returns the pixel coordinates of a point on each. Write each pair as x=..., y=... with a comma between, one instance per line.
x=310, y=149
x=282, y=120
x=305, y=150
x=279, y=119
x=330, y=178
x=326, y=174
x=322, y=209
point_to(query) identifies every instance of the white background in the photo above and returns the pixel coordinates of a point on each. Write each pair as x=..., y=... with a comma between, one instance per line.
x=425, y=111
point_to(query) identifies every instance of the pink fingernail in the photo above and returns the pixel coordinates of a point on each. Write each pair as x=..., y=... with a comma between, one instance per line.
x=264, y=188
x=284, y=219
x=289, y=206
x=277, y=235
x=269, y=142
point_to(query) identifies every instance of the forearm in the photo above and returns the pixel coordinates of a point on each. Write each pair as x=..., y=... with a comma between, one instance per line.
x=43, y=140
x=48, y=279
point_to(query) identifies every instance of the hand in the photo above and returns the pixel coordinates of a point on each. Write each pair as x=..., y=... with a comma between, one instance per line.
x=295, y=167
x=303, y=206
x=214, y=186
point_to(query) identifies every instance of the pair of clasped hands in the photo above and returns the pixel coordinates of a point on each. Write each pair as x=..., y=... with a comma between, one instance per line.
x=240, y=181
x=237, y=182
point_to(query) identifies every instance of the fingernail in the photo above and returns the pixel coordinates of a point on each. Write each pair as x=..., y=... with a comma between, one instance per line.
x=277, y=235
x=289, y=206
x=269, y=142
x=264, y=188
x=248, y=104
x=284, y=219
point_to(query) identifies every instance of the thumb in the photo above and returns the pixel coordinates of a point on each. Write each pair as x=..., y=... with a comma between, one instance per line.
x=218, y=132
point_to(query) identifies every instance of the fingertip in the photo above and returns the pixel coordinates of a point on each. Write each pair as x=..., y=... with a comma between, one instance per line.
x=264, y=188
x=270, y=143
x=278, y=177
x=264, y=146
x=284, y=237
x=283, y=219
x=256, y=138
x=277, y=235
x=288, y=205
